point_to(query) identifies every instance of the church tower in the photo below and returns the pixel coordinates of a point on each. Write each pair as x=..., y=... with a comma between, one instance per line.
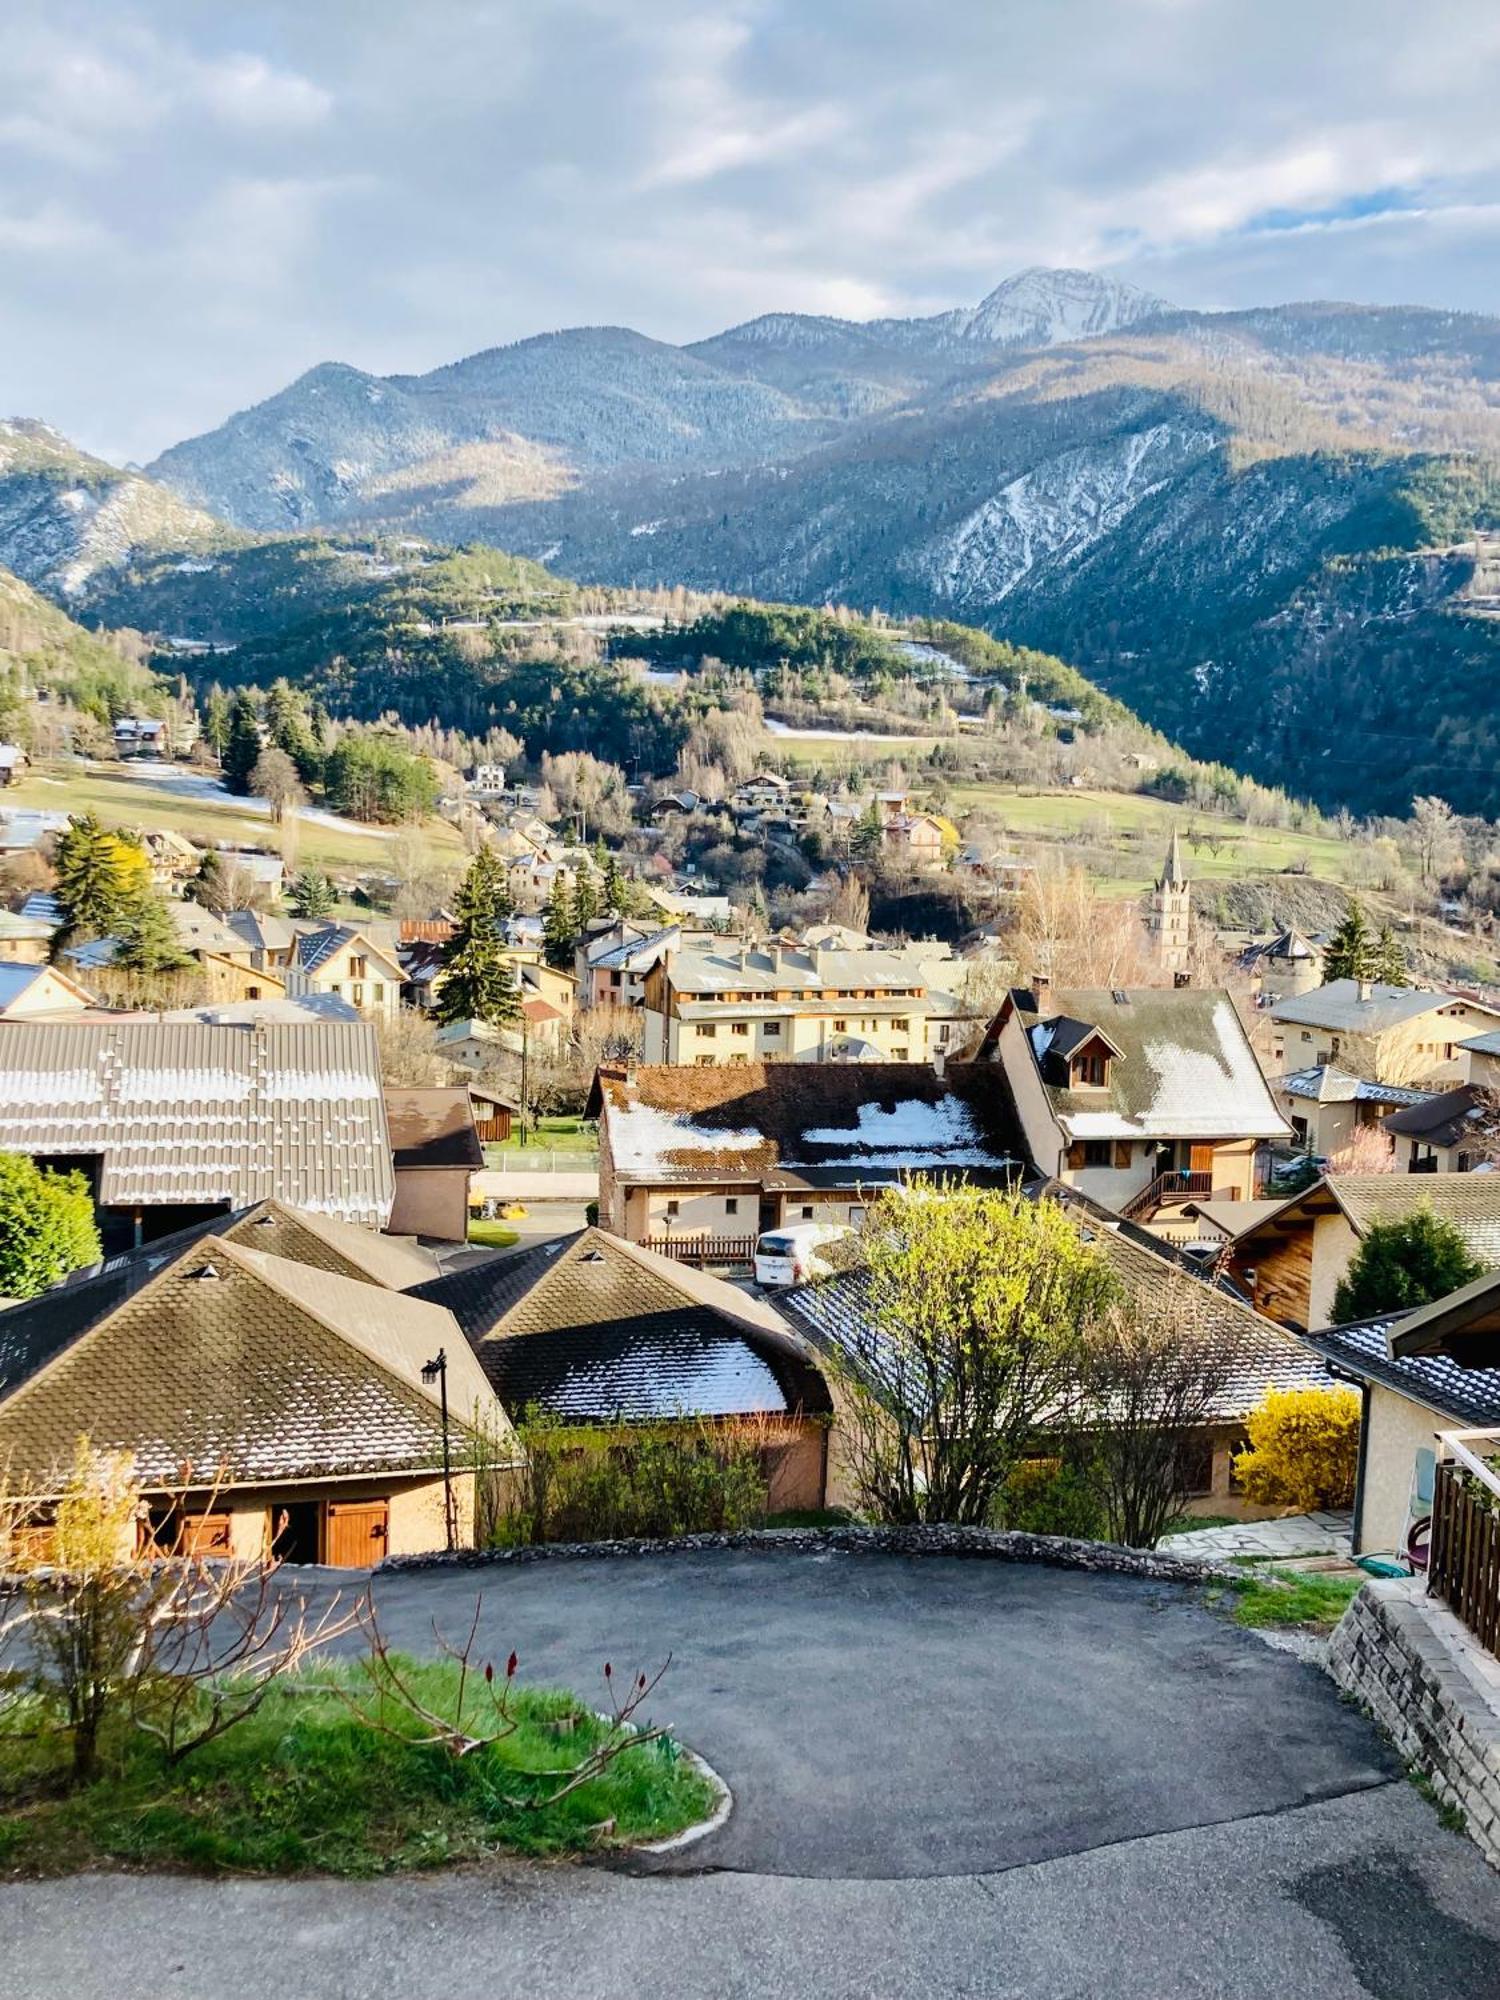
x=1169, y=921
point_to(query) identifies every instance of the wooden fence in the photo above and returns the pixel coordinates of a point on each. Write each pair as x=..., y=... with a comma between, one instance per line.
x=1464, y=1568
x=703, y=1249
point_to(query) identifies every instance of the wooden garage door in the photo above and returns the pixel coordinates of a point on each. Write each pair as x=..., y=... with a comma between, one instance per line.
x=355, y=1533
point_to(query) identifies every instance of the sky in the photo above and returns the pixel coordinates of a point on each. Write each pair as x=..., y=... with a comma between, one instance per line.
x=200, y=201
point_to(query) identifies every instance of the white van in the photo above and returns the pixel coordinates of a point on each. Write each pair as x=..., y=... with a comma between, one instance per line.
x=796, y=1252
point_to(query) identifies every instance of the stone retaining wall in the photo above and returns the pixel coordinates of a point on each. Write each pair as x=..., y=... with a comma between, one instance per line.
x=1435, y=1692
x=988, y=1544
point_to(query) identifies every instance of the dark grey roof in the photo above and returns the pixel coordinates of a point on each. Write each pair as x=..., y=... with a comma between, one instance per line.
x=1469, y=1397
x=1446, y=1118
x=1343, y=1003
x=1326, y=1083
x=480, y=1293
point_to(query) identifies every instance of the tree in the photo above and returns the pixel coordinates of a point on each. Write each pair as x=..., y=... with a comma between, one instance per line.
x=585, y=903
x=312, y=894
x=373, y=778
x=47, y=1226
x=979, y=1303
x=1390, y=959
x=477, y=982
x=99, y=875
x=1407, y=1262
x=1433, y=823
x=558, y=929
x=275, y=780
x=148, y=937
x=216, y=721
x=868, y=835
x=241, y=751
x=1153, y=1372
x=1351, y=952
x=615, y=894
x=850, y=905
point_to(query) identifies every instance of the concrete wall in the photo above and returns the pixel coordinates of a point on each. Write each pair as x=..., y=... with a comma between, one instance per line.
x=431, y=1201
x=1044, y=1141
x=1333, y=1244
x=1396, y=1430
x=416, y=1523
x=701, y=1211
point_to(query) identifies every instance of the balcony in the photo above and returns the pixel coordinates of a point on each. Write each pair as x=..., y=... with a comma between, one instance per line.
x=1464, y=1565
x=1169, y=1190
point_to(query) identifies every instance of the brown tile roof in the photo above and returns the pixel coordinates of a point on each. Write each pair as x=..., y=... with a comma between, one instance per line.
x=193, y=1111
x=1471, y=1202
x=858, y=1121
x=244, y=1367
x=325, y=1243
x=433, y=1128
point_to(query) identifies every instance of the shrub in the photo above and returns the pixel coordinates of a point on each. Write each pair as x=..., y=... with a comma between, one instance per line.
x=46, y=1226
x=1053, y=1496
x=1304, y=1446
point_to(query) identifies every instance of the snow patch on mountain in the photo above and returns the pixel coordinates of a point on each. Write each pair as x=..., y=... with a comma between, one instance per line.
x=1056, y=511
x=1039, y=308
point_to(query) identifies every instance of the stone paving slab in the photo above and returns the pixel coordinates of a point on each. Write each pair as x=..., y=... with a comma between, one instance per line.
x=1293, y=1536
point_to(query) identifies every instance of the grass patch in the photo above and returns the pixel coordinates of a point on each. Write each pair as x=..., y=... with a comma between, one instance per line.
x=560, y=1134
x=1306, y=1599
x=305, y=1786
x=810, y=1517
x=494, y=1235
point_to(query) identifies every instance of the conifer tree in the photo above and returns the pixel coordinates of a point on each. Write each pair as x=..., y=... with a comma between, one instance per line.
x=99, y=874
x=311, y=894
x=1390, y=959
x=558, y=934
x=242, y=751
x=1351, y=949
x=585, y=899
x=148, y=937
x=477, y=982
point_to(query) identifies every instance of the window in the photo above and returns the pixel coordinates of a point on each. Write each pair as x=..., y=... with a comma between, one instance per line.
x=898, y=1055
x=252, y=992
x=674, y=1208
x=742, y=1027
x=732, y=1204
x=773, y=1028
x=705, y=1062
x=1092, y=1070
x=356, y=967
x=840, y=1027
x=708, y=1031
x=1096, y=1152
x=357, y=995
x=614, y=979
x=335, y=988
x=807, y=1211
x=377, y=992
x=900, y=1026
x=856, y=1211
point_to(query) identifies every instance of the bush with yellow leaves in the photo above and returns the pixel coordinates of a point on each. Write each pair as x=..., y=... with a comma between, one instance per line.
x=1304, y=1446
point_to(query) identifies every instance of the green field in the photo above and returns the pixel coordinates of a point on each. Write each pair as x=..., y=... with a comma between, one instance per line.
x=1135, y=830
x=128, y=797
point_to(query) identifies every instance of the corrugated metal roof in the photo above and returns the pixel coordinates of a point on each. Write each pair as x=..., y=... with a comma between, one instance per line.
x=183, y=1112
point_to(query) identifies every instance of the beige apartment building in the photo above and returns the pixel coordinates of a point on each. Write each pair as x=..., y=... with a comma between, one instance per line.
x=771, y=1002
x=1390, y=1034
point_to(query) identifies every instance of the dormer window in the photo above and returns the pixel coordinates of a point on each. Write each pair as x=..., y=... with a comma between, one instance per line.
x=1090, y=1070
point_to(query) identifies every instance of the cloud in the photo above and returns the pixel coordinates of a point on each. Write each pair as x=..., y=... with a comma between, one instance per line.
x=198, y=203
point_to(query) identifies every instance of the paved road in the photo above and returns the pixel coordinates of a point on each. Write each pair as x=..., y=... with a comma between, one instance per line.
x=953, y=1779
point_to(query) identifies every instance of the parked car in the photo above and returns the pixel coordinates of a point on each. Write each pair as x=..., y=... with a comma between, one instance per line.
x=798, y=1251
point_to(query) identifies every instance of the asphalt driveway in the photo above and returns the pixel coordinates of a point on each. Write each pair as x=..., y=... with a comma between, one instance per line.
x=957, y=1779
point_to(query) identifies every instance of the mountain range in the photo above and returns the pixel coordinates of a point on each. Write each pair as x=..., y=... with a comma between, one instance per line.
x=1256, y=527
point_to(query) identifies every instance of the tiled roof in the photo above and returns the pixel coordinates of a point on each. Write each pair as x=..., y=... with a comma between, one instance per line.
x=1339, y=1005
x=867, y=1121
x=241, y=1366
x=1447, y=1117
x=593, y=1327
x=1185, y=1067
x=187, y=1112
x=1471, y=1202
x=1327, y=1084
x=726, y=968
x=433, y=1128
x=1468, y=1397
x=344, y=1248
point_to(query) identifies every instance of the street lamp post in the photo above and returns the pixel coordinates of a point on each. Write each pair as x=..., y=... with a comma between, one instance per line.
x=436, y=1370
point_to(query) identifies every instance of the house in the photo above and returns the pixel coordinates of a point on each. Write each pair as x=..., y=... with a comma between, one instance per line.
x=14, y=763
x=199, y=932
x=767, y=791
x=25, y=940
x=1450, y=1133
x=695, y=909
x=1282, y=967
x=230, y=981
x=487, y=781
x=494, y=1112
x=1142, y=1099
x=436, y=1148
x=267, y=1403
x=700, y=1161
x=921, y=839
x=39, y=992
x=172, y=855
x=142, y=736
x=1289, y=1263
x=1326, y=1107
x=836, y=1313
x=724, y=1003
x=1434, y=1369
x=588, y=1329
x=346, y=962
x=327, y=1243
x=1391, y=1034
x=612, y=964
x=671, y=805
x=1005, y=872
x=269, y=943
x=173, y=1121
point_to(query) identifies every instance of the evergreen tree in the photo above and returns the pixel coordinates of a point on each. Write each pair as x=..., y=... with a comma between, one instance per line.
x=477, y=982
x=207, y=886
x=242, y=750
x=216, y=720
x=1409, y=1262
x=311, y=894
x=47, y=1226
x=1351, y=949
x=98, y=876
x=1390, y=959
x=585, y=906
x=148, y=937
x=558, y=934
x=867, y=835
x=616, y=896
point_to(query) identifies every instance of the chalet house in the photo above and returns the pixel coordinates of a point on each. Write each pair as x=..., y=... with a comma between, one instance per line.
x=1004, y=871
x=40, y=992
x=708, y=1005
x=345, y=962
x=142, y=736
x=436, y=1148
x=835, y=1313
x=172, y=855
x=1434, y=1369
x=697, y=1162
x=1391, y=1034
x=920, y=839
x=612, y=964
x=1326, y=1107
x=1450, y=1133
x=268, y=941
x=1289, y=1262
x=14, y=763
x=593, y=1330
x=267, y=1403
x=175, y=1121
x=766, y=792
x=1143, y=1100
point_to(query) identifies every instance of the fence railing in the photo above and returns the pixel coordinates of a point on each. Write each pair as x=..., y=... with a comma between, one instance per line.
x=539, y=1160
x=1464, y=1565
x=703, y=1249
x=1174, y=1185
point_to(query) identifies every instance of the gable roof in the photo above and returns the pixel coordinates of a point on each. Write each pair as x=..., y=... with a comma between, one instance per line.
x=593, y=1327
x=399, y=1263
x=246, y=1367
x=1184, y=1068
x=1325, y=1083
x=806, y=1124
x=1371, y=1008
x=1471, y=1202
x=433, y=1128
x=193, y=1111
x=1446, y=1117
x=315, y=948
x=17, y=980
x=760, y=968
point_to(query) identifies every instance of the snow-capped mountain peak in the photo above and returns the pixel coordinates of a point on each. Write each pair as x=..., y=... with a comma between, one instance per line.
x=1039, y=307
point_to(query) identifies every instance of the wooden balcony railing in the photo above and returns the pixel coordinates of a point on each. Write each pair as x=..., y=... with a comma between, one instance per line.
x=1173, y=1186
x=1464, y=1567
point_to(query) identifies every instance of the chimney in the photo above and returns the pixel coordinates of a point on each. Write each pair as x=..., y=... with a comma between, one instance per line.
x=1364, y=989
x=1039, y=982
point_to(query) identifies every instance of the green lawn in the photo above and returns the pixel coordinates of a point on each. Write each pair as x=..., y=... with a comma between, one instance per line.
x=1311, y=1600
x=558, y=1135
x=494, y=1235
x=305, y=1785
x=126, y=797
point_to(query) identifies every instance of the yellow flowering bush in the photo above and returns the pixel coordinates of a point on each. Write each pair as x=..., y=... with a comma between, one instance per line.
x=1304, y=1446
